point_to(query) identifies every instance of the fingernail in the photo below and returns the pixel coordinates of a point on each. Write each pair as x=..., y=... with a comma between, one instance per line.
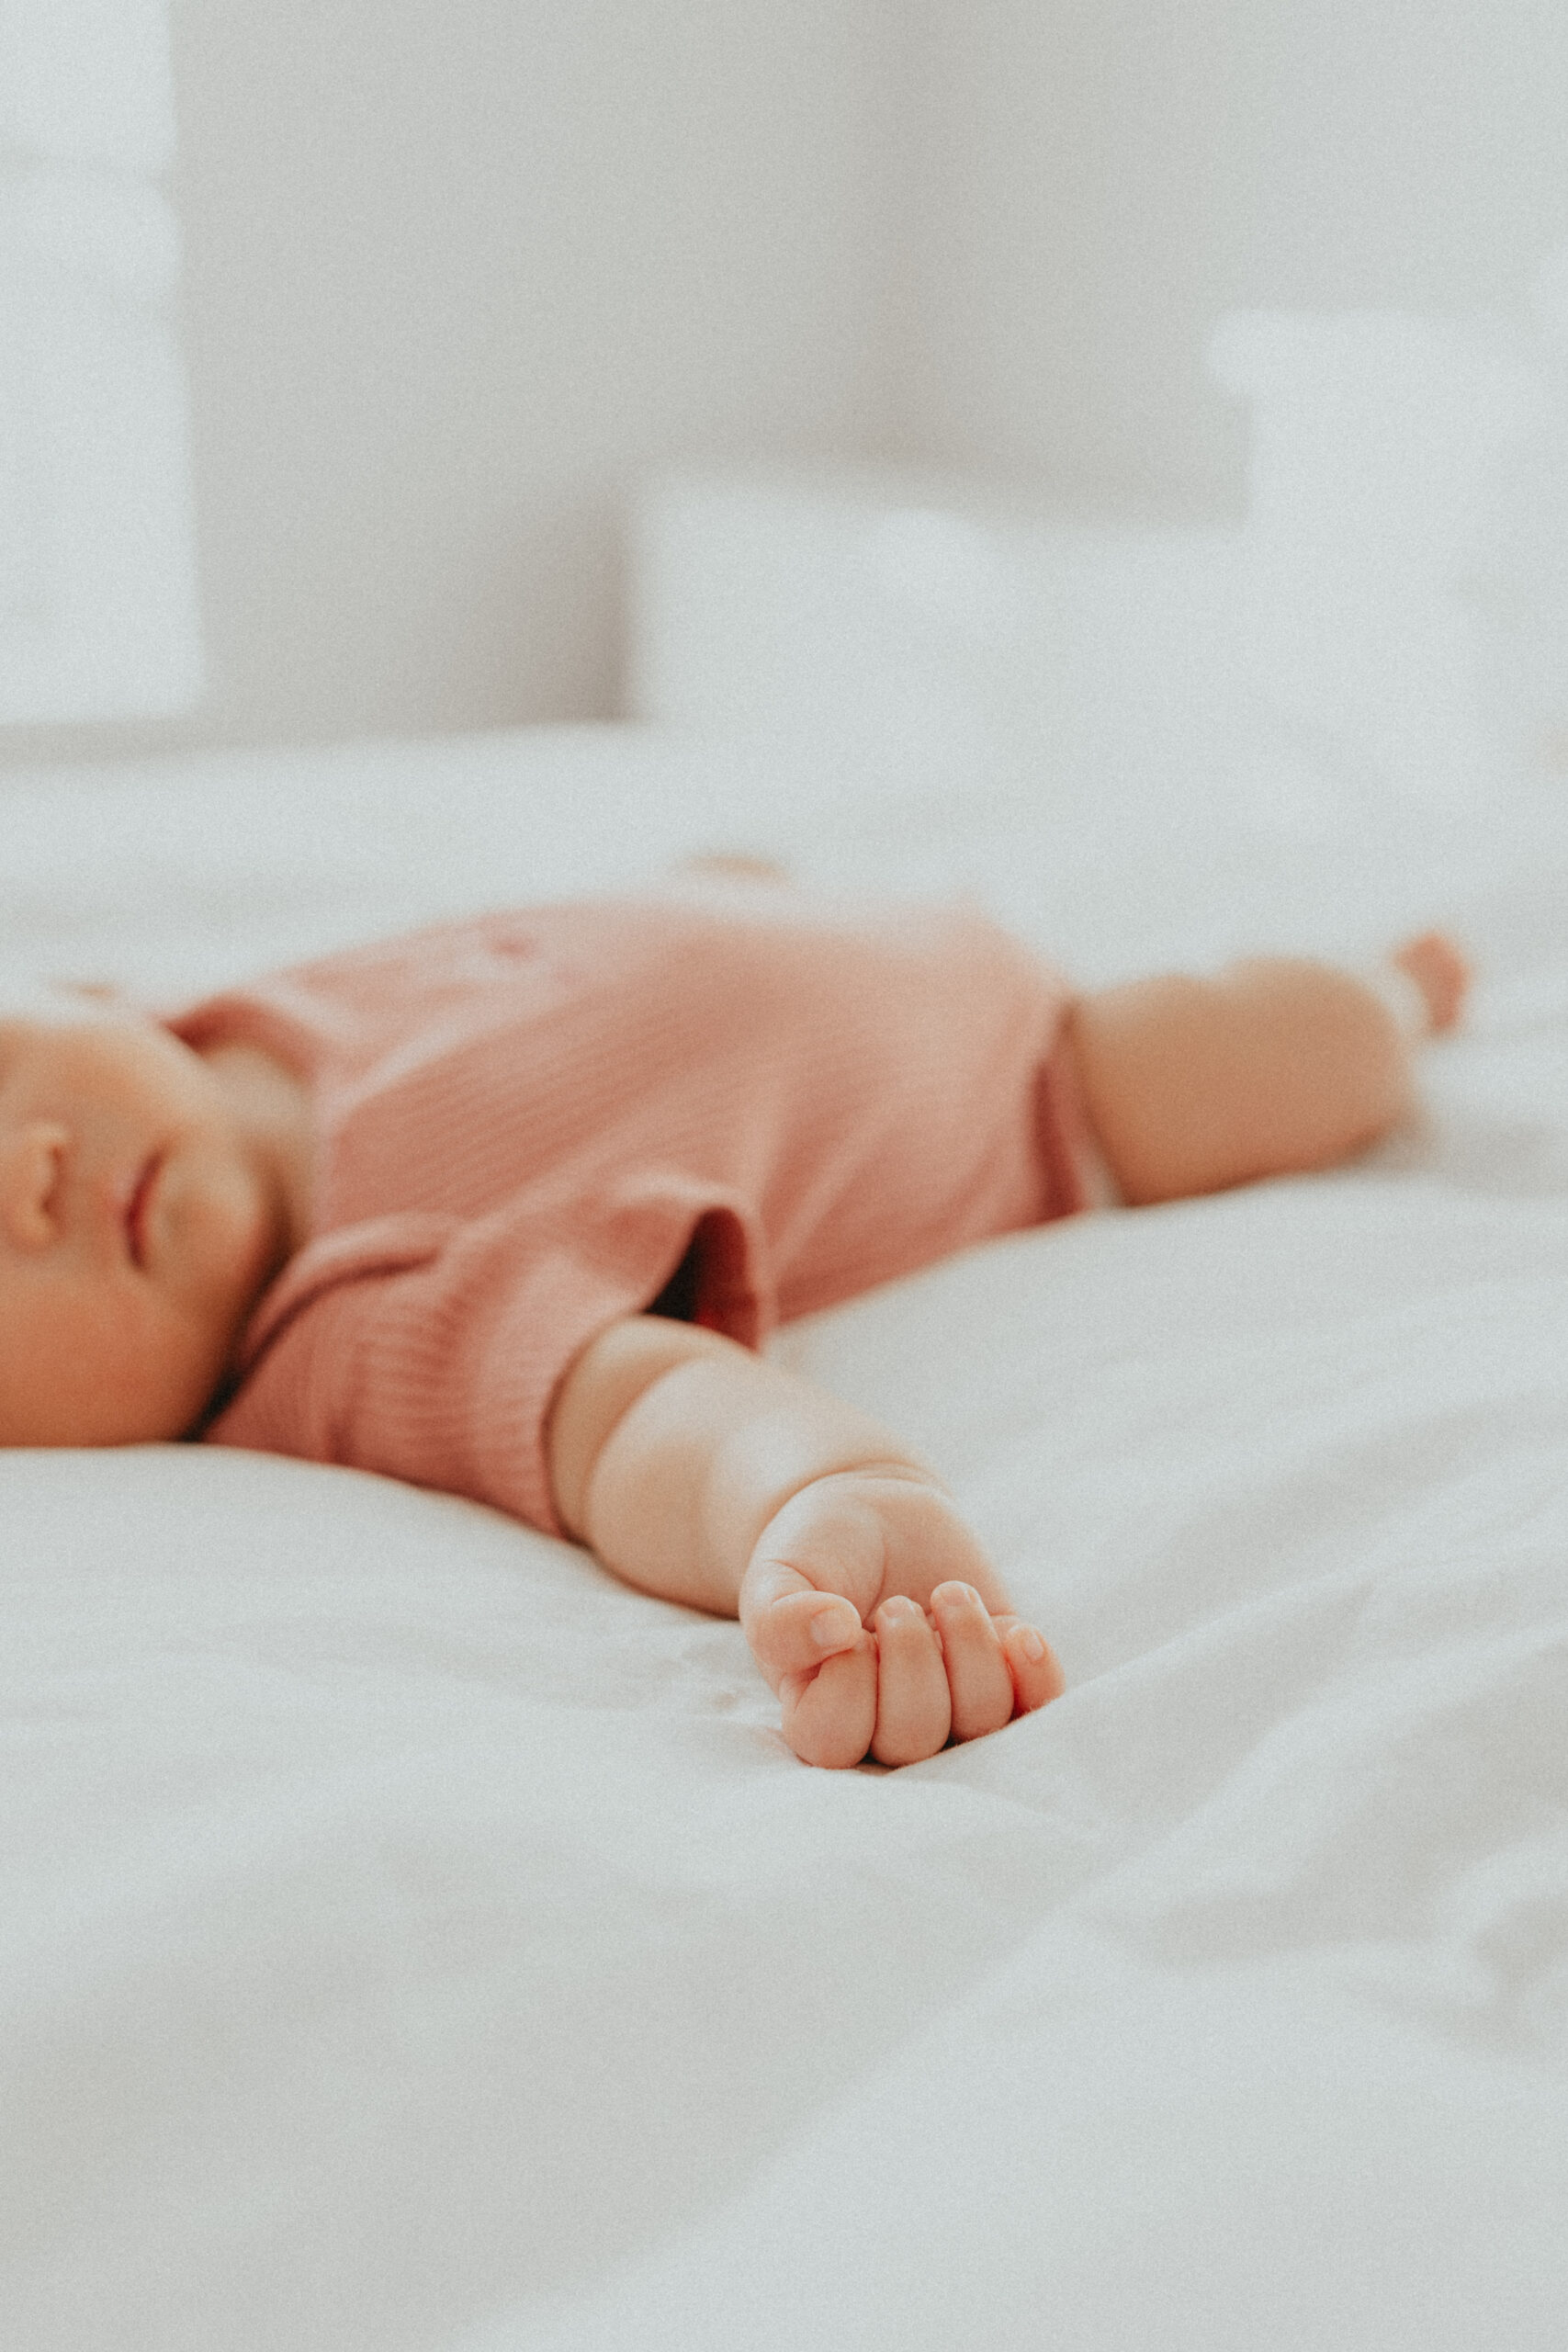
x=957, y=1596
x=1031, y=1646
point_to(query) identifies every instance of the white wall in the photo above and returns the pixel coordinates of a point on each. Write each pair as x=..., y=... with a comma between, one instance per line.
x=1100, y=178
x=457, y=271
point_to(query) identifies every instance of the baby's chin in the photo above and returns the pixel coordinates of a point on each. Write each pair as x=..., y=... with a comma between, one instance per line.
x=214, y=1240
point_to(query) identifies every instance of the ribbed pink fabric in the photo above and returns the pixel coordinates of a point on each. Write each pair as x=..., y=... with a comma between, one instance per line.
x=528, y=1121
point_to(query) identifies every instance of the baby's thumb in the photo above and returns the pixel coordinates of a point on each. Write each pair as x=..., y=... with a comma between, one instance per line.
x=791, y=1625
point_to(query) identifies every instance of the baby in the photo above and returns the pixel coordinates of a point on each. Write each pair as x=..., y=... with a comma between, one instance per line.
x=507, y=1207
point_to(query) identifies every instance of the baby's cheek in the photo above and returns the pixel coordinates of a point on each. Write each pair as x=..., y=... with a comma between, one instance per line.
x=110, y=1368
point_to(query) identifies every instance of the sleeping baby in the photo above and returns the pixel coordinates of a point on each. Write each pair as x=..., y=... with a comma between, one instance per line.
x=509, y=1206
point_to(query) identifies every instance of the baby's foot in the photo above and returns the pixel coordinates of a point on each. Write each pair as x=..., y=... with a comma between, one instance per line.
x=1440, y=972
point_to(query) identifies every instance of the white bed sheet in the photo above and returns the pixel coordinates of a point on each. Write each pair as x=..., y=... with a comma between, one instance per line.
x=412, y=1939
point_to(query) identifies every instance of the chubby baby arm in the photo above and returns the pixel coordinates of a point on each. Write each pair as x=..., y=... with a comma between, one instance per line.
x=699, y=1472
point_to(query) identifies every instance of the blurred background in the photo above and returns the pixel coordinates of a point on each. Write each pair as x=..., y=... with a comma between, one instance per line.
x=339, y=341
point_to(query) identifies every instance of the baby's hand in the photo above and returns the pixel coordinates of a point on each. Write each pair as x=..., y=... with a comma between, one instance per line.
x=875, y=1616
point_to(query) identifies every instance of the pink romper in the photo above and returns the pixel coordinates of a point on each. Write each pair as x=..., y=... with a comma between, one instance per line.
x=532, y=1123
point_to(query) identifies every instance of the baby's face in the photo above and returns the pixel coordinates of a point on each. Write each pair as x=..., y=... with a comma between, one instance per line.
x=138, y=1225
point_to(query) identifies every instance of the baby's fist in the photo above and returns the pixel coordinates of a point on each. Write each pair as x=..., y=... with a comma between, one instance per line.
x=875, y=1616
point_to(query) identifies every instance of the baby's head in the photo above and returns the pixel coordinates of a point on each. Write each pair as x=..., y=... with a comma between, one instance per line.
x=140, y=1216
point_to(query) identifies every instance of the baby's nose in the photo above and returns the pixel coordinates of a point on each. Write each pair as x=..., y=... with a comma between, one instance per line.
x=32, y=1160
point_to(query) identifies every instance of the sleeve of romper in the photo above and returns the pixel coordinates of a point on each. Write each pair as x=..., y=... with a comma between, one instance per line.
x=443, y=1371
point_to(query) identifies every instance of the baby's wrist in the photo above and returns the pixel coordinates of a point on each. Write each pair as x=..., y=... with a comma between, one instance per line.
x=852, y=1479
x=910, y=1473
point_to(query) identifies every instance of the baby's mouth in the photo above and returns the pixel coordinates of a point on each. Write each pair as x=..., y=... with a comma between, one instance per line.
x=136, y=1211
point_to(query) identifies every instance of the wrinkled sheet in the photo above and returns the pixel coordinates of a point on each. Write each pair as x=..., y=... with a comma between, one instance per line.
x=411, y=1938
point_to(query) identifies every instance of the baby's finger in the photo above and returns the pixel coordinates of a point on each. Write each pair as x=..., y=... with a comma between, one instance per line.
x=830, y=1715
x=1037, y=1677
x=978, y=1680
x=790, y=1625
x=913, y=1710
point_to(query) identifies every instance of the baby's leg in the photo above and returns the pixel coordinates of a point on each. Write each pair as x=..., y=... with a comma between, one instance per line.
x=1275, y=1065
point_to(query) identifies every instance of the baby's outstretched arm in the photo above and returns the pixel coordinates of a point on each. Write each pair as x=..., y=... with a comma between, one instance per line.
x=699, y=1472
x=1274, y=1066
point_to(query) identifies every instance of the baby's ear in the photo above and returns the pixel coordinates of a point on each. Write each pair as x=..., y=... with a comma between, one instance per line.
x=72, y=1000
x=736, y=865
x=35, y=998
x=96, y=996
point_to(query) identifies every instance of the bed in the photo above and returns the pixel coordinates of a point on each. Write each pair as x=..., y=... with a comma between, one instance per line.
x=410, y=1939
